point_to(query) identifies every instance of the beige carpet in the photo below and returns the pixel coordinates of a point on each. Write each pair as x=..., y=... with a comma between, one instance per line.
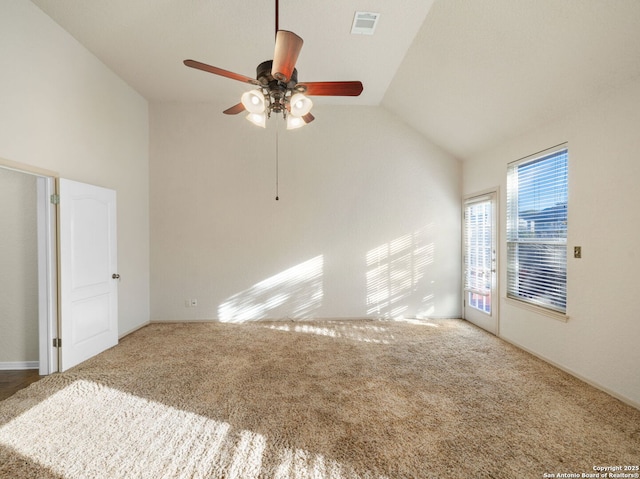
x=359, y=399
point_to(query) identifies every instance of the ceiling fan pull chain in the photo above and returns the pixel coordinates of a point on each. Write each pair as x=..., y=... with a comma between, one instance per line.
x=277, y=185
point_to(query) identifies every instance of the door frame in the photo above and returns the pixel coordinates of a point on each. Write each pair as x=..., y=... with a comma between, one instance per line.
x=46, y=186
x=47, y=275
x=495, y=297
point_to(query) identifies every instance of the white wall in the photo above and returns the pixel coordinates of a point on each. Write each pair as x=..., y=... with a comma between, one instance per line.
x=18, y=268
x=63, y=110
x=355, y=186
x=600, y=340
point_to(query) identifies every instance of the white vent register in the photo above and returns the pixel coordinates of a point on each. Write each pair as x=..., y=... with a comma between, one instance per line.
x=364, y=23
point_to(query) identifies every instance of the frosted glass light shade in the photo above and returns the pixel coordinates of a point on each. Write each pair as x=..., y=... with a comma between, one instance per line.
x=253, y=101
x=300, y=104
x=294, y=122
x=258, y=119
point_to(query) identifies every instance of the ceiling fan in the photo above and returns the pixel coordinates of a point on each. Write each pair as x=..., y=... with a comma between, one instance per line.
x=278, y=89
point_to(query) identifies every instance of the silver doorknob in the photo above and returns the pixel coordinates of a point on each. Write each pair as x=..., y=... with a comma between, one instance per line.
x=115, y=276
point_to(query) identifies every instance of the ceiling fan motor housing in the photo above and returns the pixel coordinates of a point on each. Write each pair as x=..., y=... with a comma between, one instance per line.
x=277, y=89
x=263, y=75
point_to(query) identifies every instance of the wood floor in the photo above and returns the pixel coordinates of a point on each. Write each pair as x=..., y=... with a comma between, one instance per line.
x=12, y=381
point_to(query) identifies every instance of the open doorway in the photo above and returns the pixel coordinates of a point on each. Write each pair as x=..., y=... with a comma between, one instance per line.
x=28, y=282
x=77, y=296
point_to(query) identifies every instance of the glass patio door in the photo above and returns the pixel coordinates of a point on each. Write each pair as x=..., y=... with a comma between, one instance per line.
x=480, y=263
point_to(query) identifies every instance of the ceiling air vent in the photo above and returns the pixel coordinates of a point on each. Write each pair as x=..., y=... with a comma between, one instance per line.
x=364, y=23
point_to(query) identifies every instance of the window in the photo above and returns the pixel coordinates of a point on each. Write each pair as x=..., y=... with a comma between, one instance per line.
x=537, y=196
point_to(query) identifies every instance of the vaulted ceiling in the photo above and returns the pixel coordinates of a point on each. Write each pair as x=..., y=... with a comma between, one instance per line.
x=467, y=74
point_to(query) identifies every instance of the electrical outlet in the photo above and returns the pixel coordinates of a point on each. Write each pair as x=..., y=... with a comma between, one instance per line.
x=194, y=303
x=577, y=251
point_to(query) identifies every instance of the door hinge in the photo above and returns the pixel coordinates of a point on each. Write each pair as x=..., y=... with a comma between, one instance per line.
x=55, y=199
x=57, y=342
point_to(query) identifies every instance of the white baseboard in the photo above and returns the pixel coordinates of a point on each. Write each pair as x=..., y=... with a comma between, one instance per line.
x=293, y=319
x=610, y=392
x=6, y=366
x=127, y=333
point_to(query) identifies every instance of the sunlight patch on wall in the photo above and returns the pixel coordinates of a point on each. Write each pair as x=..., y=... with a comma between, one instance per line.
x=91, y=430
x=427, y=308
x=295, y=292
x=394, y=271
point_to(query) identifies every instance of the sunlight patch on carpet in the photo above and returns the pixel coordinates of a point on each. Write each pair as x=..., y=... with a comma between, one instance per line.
x=90, y=430
x=365, y=334
x=416, y=321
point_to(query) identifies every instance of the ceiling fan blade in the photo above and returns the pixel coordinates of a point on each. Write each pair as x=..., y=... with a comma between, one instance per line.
x=235, y=109
x=288, y=46
x=330, y=88
x=308, y=118
x=219, y=71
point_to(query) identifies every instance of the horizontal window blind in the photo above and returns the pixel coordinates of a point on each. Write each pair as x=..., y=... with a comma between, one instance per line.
x=478, y=247
x=537, y=198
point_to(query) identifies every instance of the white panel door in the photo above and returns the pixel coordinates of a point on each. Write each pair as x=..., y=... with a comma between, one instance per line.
x=88, y=272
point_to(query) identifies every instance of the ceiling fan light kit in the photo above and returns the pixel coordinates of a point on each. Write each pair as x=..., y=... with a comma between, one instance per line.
x=278, y=88
x=279, y=96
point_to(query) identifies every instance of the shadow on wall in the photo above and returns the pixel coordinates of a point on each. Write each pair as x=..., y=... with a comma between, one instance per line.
x=295, y=292
x=395, y=270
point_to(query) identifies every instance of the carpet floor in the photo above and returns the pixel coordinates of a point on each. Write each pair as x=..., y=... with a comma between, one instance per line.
x=317, y=399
